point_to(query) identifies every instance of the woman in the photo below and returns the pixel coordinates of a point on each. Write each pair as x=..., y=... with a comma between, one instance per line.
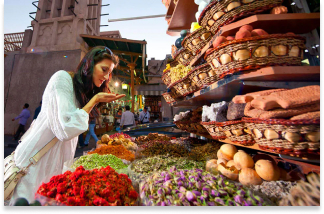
x=67, y=102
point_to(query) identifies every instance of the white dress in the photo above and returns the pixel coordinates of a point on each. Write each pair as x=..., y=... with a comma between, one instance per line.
x=60, y=116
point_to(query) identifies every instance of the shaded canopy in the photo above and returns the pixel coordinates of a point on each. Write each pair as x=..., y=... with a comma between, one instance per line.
x=127, y=51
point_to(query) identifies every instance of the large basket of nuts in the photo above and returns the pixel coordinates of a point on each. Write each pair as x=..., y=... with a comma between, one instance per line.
x=297, y=137
x=183, y=56
x=256, y=52
x=203, y=75
x=196, y=40
x=223, y=12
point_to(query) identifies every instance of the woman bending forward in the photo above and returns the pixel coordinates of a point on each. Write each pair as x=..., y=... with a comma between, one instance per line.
x=68, y=102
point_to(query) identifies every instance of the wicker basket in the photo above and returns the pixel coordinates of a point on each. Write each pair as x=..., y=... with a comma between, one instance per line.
x=217, y=13
x=166, y=78
x=292, y=137
x=196, y=40
x=203, y=75
x=201, y=129
x=168, y=98
x=214, y=129
x=233, y=130
x=256, y=52
x=185, y=86
x=174, y=63
x=183, y=56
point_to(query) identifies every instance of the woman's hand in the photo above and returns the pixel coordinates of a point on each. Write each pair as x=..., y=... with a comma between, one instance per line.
x=103, y=97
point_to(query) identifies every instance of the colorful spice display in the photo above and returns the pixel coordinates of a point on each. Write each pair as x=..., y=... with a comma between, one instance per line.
x=119, y=151
x=98, y=187
x=96, y=161
x=195, y=188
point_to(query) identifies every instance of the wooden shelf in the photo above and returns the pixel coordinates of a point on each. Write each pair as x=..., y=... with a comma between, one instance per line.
x=182, y=17
x=304, y=162
x=170, y=10
x=262, y=79
x=298, y=23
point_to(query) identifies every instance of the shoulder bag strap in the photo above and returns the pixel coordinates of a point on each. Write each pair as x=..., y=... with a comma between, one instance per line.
x=33, y=160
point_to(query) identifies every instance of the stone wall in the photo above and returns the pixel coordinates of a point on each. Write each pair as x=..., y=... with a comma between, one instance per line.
x=27, y=75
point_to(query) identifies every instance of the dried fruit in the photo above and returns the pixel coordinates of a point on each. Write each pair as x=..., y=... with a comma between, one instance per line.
x=249, y=177
x=228, y=151
x=267, y=170
x=243, y=160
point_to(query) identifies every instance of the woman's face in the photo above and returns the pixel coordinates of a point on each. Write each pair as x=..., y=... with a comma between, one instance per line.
x=102, y=72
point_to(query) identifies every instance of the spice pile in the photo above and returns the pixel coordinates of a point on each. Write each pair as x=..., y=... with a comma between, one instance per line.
x=98, y=187
x=161, y=148
x=162, y=163
x=119, y=151
x=205, y=152
x=195, y=188
x=152, y=137
x=274, y=190
x=96, y=161
x=117, y=140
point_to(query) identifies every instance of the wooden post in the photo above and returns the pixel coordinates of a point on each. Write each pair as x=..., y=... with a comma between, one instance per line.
x=132, y=68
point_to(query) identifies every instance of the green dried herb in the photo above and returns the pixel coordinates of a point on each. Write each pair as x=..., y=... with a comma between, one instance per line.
x=95, y=161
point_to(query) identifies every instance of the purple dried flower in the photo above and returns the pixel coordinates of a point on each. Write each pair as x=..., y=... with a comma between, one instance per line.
x=167, y=177
x=223, y=192
x=238, y=199
x=190, y=196
x=163, y=203
x=182, y=189
x=211, y=203
x=198, y=185
x=160, y=192
x=190, y=184
x=248, y=203
x=197, y=193
x=206, y=189
x=219, y=201
x=180, y=184
x=215, y=193
x=241, y=192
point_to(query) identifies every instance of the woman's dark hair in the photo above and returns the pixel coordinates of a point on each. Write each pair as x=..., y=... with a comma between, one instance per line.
x=83, y=84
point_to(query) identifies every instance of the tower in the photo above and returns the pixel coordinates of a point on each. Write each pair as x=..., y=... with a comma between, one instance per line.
x=58, y=24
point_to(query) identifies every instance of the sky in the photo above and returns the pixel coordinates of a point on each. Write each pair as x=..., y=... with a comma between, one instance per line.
x=16, y=19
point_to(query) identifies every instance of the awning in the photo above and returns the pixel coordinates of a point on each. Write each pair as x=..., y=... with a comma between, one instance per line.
x=128, y=51
x=153, y=90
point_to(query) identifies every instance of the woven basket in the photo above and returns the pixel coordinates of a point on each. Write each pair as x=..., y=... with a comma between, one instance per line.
x=185, y=86
x=166, y=78
x=214, y=129
x=256, y=52
x=201, y=129
x=217, y=13
x=168, y=98
x=297, y=137
x=183, y=56
x=196, y=40
x=233, y=130
x=174, y=63
x=203, y=75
